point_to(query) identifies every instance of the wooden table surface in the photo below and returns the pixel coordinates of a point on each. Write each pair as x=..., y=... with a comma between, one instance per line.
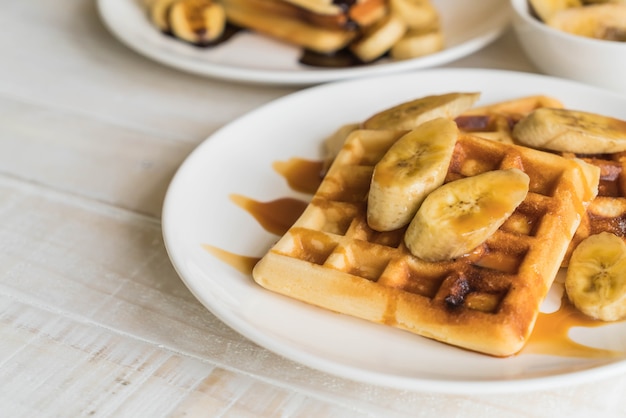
x=94, y=321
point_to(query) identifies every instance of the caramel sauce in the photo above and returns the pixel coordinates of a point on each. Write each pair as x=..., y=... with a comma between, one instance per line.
x=240, y=262
x=278, y=215
x=551, y=334
x=275, y=216
x=302, y=175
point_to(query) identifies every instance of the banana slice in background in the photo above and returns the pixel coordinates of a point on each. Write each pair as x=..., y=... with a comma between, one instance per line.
x=415, y=165
x=159, y=11
x=418, y=14
x=460, y=215
x=601, y=21
x=596, y=277
x=417, y=43
x=546, y=9
x=379, y=38
x=198, y=22
x=571, y=131
x=409, y=115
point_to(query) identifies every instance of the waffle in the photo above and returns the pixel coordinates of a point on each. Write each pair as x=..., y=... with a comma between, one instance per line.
x=605, y=213
x=320, y=26
x=330, y=33
x=486, y=301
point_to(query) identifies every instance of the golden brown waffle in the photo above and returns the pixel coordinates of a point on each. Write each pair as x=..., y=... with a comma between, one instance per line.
x=607, y=212
x=486, y=301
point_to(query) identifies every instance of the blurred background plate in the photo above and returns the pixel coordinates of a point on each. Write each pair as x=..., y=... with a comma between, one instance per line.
x=468, y=26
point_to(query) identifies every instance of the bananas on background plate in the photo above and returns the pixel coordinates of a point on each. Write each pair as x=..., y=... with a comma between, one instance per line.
x=199, y=22
x=598, y=19
x=367, y=29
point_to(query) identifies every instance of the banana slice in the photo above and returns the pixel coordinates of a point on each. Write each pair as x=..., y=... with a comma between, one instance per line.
x=602, y=21
x=416, y=164
x=379, y=38
x=418, y=14
x=460, y=215
x=574, y=131
x=545, y=9
x=417, y=43
x=159, y=11
x=199, y=22
x=411, y=114
x=596, y=277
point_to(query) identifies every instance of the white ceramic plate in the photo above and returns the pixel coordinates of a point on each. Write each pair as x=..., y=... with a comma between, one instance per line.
x=468, y=26
x=238, y=159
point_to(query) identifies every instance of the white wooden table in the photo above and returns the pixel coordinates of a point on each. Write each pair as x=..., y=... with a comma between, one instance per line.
x=93, y=319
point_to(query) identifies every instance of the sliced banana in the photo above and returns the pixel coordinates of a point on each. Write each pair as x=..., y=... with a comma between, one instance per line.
x=495, y=121
x=460, y=215
x=418, y=14
x=409, y=115
x=415, y=165
x=596, y=277
x=159, y=11
x=197, y=21
x=379, y=38
x=602, y=21
x=417, y=43
x=574, y=131
x=545, y=9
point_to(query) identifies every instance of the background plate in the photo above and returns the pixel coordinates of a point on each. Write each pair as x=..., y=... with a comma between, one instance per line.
x=468, y=26
x=238, y=159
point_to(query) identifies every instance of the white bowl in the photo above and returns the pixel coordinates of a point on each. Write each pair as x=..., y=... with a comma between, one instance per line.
x=558, y=53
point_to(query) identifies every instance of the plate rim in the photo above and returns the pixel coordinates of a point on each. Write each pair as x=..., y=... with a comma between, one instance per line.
x=501, y=20
x=459, y=386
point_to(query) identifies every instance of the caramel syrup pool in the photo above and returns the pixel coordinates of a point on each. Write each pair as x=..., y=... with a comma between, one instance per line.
x=275, y=216
x=550, y=335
